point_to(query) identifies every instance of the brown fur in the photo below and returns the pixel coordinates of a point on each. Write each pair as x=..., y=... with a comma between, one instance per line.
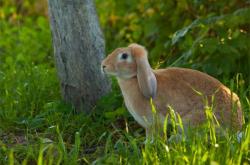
x=185, y=90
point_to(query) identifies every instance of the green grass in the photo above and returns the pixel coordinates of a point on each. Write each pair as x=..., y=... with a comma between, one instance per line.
x=57, y=135
x=37, y=127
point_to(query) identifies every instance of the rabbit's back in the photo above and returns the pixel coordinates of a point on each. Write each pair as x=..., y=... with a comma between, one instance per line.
x=187, y=92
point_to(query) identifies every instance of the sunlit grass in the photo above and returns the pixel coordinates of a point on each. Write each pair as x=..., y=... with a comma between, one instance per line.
x=58, y=142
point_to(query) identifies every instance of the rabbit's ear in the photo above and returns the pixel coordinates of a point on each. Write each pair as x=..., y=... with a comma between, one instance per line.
x=145, y=76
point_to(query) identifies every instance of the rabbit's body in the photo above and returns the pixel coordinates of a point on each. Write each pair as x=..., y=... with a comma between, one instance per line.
x=187, y=91
x=181, y=93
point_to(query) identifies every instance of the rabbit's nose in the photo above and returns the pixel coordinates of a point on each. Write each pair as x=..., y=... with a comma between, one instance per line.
x=103, y=68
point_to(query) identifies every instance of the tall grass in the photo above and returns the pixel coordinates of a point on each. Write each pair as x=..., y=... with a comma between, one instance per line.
x=200, y=145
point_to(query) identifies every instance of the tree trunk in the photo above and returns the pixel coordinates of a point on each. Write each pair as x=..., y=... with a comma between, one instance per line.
x=78, y=48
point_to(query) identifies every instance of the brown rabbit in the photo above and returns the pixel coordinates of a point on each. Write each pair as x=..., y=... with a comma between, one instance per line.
x=175, y=87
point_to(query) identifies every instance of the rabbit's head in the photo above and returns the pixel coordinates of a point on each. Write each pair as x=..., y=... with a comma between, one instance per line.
x=120, y=63
x=130, y=62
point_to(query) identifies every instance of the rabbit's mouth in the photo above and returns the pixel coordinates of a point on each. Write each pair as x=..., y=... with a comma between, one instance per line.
x=122, y=75
x=106, y=70
x=110, y=73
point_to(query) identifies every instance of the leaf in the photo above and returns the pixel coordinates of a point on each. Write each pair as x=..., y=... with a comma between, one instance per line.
x=113, y=114
x=181, y=33
x=209, y=45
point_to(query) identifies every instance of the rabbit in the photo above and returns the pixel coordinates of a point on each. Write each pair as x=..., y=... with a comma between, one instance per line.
x=180, y=88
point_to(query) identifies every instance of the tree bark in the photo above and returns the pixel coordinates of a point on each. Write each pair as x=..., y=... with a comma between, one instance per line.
x=79, y=48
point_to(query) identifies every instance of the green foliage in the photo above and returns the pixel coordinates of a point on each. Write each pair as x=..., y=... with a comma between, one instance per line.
x=37, y=127
x=27, y=71
x=208, y=35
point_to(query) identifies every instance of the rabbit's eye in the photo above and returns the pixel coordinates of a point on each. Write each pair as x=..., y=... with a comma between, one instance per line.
x=124, y=56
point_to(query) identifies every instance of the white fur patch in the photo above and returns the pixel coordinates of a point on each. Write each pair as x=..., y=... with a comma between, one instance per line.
x=142, y=120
